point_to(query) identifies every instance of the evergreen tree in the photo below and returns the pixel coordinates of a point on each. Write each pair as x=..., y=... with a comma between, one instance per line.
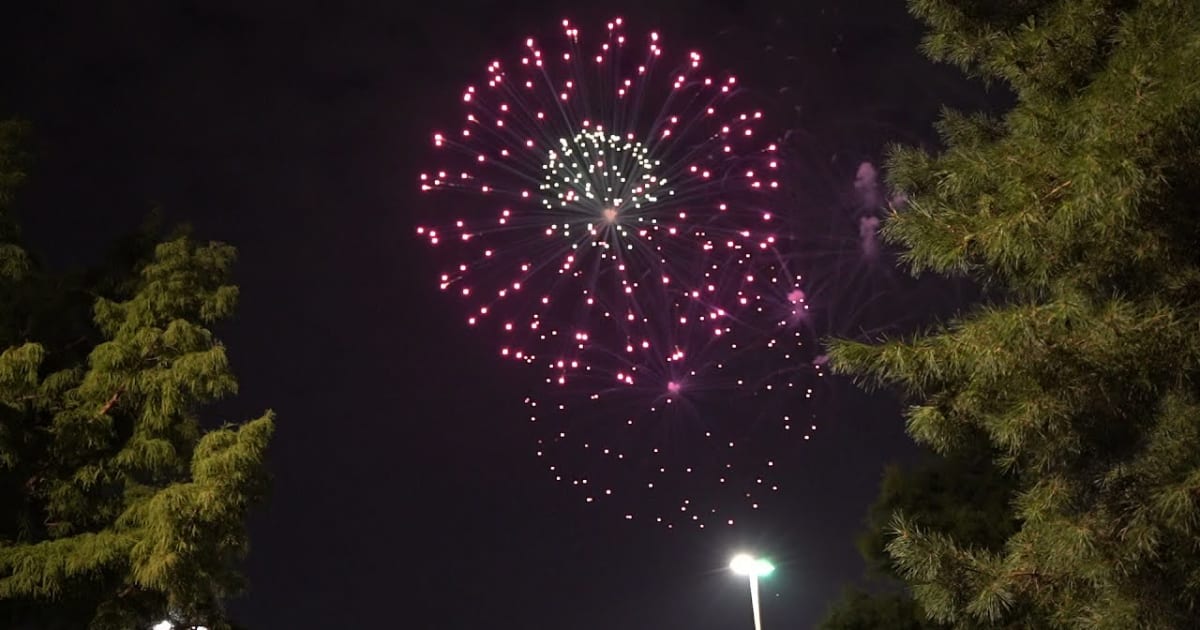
x=963, y=495
x=858, y=610
x=1076, y=211
x=116, y=509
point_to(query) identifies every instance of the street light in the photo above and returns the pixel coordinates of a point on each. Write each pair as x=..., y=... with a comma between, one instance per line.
x=753, y=568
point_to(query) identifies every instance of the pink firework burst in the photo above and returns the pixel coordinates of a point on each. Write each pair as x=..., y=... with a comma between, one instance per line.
x=607, y=193
x=618, y=236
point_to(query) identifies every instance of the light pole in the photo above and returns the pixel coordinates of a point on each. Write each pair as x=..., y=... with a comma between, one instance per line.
x=753, y=568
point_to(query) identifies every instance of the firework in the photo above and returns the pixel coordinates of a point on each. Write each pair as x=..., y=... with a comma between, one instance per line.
x=606, y=190
x=619, y=236
x=701, y=438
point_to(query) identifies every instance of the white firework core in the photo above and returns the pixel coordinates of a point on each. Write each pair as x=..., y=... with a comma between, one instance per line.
x=601, y=175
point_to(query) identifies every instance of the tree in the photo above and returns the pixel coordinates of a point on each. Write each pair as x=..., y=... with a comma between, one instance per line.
x=963, y=495
x=116, y=509
x=858, y=610
x=1076, y=210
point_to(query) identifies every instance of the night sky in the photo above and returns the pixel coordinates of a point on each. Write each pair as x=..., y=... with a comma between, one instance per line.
x=405, y=492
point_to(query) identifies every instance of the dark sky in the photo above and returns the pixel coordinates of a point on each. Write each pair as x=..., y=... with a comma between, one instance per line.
x=404, y=494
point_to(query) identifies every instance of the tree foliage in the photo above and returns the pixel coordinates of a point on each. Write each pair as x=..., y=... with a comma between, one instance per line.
x=1077, y=210
x=116, y=508
x=858, y=610
x=964, y=495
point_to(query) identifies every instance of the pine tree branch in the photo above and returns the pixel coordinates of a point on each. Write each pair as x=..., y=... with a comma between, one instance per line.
x=112, y=401
x=1057, y=189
